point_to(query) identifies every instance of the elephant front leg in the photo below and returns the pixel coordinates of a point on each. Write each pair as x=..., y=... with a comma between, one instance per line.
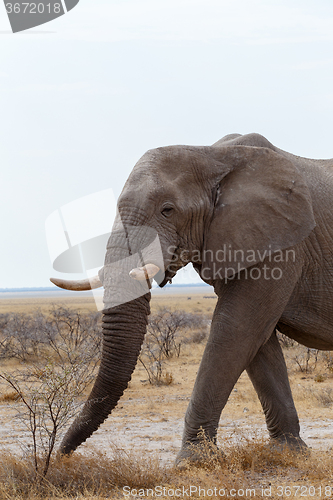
x=244, y=319
x=268, y=374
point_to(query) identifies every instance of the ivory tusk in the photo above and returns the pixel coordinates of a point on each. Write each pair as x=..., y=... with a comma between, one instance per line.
x=78, y=285
x=144, y=273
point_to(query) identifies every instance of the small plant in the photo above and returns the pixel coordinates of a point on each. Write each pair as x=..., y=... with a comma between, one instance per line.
x=152, y=360
x=163, y=328
x=319, y=378
x=167, y=329
x=328, y=360
x=9, y=397
x=21, y=338
x=28, y=337
x=71, y=334
x=286, y=341
x=325, y=397
x=307, y=360
x=168, y=378
x=198, y=336
x=49, y=394
x=165, y=335
x=49, y=390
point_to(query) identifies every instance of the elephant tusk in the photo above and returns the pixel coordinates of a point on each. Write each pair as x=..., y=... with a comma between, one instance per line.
x=78, y=285
x=144, y=273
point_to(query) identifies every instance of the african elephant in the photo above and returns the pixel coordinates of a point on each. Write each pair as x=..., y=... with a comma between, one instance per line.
x=256, y=223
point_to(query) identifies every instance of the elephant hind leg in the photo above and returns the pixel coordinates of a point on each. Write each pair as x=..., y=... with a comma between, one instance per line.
x=268, y=374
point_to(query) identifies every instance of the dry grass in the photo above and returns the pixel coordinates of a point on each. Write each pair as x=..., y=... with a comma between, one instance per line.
x=9, y=397
x=78, y=476
x=250, y=465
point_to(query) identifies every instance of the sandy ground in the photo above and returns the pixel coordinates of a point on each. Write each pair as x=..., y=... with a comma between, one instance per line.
x=160, y=432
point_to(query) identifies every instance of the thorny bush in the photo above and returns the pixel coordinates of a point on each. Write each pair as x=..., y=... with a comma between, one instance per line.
x=60, y=351
x=166, y=332
x=30, y=336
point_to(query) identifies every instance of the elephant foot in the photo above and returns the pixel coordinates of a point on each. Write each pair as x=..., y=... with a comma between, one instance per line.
x=203, y=453
x=292, y=443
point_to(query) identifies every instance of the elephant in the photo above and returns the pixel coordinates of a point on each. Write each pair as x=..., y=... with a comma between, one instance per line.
x=256, y=223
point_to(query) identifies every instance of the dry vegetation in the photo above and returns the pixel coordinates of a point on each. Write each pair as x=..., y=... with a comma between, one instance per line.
x=248, y=463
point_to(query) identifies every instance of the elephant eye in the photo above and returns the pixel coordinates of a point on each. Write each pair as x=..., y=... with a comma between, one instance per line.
x=167, y=211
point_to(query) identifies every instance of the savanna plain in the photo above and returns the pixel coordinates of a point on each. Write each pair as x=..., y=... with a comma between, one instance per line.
x=49, y=351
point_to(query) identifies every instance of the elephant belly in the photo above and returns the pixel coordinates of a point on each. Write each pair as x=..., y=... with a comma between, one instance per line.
x=308, y=316
x=311, y=340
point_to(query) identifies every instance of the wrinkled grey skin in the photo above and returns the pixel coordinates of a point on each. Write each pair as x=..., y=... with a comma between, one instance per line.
x=244, y=193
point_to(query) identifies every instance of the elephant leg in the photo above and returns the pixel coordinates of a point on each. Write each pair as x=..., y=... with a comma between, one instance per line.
x=268, y=374
x=246, y=313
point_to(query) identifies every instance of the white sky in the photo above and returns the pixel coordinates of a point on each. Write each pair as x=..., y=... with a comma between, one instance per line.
x=84, y=96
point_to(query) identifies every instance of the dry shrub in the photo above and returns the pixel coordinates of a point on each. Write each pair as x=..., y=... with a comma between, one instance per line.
x=198, y=336
x=306, y=359
x=327, y=358
x=259, y=455
x=285, y=341
x=28, y=337
x=167, y=331
x=251, y=465
x=9, y=397
x=325, y=397
x=322, y=396
x=49, y=393
x=168, y=378
x=248, y=454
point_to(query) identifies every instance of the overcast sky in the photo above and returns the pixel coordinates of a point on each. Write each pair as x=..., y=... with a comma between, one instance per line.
x=84, y=96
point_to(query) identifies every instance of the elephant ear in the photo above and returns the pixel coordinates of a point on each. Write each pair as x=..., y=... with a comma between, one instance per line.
x=263, y=205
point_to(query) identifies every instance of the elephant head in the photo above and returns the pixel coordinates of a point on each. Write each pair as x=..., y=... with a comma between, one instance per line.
x=185, y=204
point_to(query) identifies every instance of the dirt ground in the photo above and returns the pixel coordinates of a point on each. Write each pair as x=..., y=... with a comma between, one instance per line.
x=154, y=423
x=150, y=418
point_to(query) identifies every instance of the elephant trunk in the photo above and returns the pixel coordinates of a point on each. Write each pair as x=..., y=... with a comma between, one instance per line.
x=125, y=318
x=124, y=327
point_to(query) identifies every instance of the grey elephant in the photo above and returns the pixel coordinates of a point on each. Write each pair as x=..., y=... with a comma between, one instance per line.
x=256, y=222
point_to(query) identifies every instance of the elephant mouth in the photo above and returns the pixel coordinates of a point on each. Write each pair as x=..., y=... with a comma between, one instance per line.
x=163, y=278
x=168, y=275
